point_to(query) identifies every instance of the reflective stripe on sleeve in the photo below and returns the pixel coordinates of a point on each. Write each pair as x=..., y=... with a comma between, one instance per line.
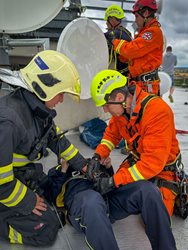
x=6, y=174
x=22, y=160
x=59, y=132
x=69, y=153
x=16, y=196
x=57, y=129
x=136, y=175
x=14, y=236
x=109, y=144
x=119, y=46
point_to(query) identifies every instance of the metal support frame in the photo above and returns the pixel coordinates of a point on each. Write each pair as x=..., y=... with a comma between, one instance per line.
x=35, y=42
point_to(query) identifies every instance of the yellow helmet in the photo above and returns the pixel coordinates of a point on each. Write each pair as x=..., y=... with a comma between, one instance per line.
x=114, y=11
x=104, y=83
x=50, y=73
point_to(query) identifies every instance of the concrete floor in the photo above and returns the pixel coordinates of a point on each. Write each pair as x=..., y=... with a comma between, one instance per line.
x=130, y=231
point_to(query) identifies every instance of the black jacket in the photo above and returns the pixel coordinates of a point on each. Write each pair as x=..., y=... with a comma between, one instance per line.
x=118, y=33
x=24, y=120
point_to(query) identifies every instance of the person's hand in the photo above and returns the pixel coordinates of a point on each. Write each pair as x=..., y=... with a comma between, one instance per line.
x=106, y=162
x=104, y=185
x=93, y=167
x=40, y=206
x=111, y=36
x=64, y=165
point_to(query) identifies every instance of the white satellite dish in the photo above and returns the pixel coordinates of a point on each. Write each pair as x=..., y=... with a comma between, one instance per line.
x=165, y=82
x=85, y=44
x=20, y=16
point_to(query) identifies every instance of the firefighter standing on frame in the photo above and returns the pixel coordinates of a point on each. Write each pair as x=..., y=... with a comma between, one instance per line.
x=144, y=53
x=114, y=15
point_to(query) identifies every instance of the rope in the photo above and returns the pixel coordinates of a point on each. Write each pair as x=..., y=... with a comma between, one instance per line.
x=182, y=132
x=63, y=229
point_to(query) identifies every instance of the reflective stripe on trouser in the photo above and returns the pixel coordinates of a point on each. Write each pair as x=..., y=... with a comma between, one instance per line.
x=28, y=229
x=88, y=208
x=144, y=197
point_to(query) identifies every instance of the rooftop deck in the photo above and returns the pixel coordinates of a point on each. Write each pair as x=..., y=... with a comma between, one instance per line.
x=130, y=231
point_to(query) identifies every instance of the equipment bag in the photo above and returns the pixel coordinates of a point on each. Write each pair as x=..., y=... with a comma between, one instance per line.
x=93, y=132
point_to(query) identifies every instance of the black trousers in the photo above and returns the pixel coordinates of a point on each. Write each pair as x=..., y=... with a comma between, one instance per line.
x=88, y=213
x=143, y=197
x=28, y=229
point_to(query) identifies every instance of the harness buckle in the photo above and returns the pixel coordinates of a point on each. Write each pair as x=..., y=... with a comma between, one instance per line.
x=75, y=173
x=148, y=77
x=145, y=76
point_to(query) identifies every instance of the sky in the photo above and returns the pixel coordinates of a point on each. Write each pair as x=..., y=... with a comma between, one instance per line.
x=173, y=20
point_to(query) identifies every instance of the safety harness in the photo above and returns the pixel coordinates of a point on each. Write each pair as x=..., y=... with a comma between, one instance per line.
x=147, y=77
x=133, y=128
x=113, y=56
x=147, y=80
x=180, y=186
x=60, y=197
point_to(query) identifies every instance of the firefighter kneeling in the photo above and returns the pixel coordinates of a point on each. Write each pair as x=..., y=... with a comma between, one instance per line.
x=146, y=122
x=27, y=129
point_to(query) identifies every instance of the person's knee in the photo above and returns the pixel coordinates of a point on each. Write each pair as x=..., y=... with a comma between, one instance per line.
x=149, y=190
x=91, y=198
x=50, y=225
x=46, y=237
x=35, y=230
x=92, y=201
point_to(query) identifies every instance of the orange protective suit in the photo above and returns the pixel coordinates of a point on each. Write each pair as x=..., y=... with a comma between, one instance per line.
x=144, y=53
x=152, y=138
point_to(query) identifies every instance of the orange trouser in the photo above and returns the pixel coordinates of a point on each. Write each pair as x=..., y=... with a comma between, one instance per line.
x=168, y=199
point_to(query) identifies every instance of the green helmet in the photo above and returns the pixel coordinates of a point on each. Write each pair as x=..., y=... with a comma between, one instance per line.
x=104, y=83
x=114, y=11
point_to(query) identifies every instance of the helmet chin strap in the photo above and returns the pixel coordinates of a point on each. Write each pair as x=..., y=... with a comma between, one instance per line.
x=124, y=104
x=145, y=18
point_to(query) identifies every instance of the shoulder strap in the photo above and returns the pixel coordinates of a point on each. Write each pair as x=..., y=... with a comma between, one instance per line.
x=122, y=29
x=144, y=103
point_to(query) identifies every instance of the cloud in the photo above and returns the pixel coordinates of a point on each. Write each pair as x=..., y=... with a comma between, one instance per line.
x=175, y=28
x=173, y=19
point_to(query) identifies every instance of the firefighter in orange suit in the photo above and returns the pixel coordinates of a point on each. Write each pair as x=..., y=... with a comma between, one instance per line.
x=145, y=51
x=147, y=124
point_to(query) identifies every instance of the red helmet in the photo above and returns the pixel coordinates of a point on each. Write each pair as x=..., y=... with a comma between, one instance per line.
x=140, y=4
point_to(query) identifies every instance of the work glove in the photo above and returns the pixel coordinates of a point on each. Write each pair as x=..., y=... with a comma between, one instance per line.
x=104, y=185
x=111, y=35
x=93, y=167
